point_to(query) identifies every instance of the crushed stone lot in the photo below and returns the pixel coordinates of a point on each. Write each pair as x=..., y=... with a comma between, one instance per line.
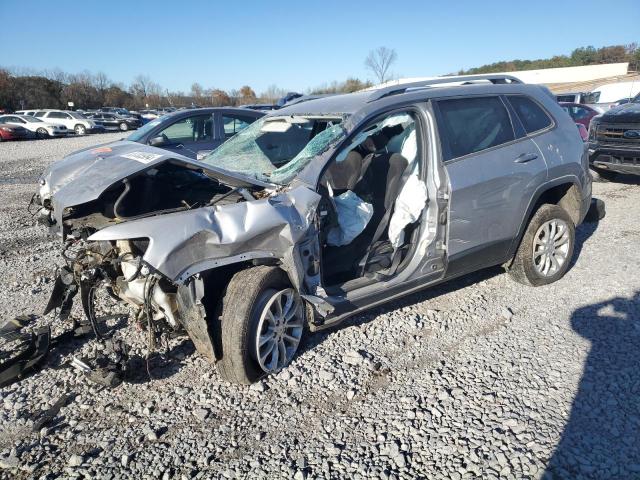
x=480, y=377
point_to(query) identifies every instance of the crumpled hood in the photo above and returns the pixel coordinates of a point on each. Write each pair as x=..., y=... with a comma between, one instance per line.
x=88, y=172
x=84, y=175
x=626, y=113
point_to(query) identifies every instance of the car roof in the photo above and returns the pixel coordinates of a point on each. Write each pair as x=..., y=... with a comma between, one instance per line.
x=240, y=111
x=361, y=104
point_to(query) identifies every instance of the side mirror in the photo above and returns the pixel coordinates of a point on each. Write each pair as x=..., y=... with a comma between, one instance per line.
x=202, y=154
x=157, y=141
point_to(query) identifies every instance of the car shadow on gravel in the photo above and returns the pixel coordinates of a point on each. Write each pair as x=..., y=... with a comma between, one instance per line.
x=584, y=231
x=602, y=436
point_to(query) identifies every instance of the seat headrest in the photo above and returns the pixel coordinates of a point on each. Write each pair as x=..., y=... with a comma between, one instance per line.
x=345, y=174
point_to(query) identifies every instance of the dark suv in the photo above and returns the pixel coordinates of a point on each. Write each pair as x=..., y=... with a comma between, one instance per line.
x=320, y=210
x=614, y=141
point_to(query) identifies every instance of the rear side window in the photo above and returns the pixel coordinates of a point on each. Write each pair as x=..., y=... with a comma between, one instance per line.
x=532, y=116
x=474, y=124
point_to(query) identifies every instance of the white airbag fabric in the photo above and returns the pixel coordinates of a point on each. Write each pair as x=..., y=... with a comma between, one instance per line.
x=409, y=204
x=353, y=216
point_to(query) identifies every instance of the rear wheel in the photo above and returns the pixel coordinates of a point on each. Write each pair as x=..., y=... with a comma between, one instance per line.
x=42, y=133
x=80, y=129
x=124, y=127
x=546, y=249
x=262, y=323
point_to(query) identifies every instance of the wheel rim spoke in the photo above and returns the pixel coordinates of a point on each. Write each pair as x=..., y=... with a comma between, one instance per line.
x=551, y=247
x=279, y=330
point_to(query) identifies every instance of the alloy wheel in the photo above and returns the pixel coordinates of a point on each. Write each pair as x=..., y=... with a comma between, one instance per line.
x=551, y=247
x=279, y=329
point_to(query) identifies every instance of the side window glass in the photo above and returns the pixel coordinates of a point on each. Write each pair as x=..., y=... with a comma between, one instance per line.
x=474, y=124
x=233, y=125
x=191, y=129
x=39, y=114
x=532, y=116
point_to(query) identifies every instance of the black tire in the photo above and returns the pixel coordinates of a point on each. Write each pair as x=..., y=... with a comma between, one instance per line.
x=523, y=269
x=80, y=129
x=239, y=314
x=603, y=176
x=124, y=127
x=42, y=133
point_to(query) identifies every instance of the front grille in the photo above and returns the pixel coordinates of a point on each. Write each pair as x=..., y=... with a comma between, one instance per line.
x=612, y=134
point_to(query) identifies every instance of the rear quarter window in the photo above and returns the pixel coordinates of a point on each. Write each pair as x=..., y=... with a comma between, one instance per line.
x=474, y=124
x=532, y=116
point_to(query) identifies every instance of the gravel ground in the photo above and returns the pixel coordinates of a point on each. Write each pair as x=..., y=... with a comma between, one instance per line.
x=481, y=377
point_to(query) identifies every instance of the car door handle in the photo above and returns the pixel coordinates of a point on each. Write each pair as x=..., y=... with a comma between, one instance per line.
x=525, y=157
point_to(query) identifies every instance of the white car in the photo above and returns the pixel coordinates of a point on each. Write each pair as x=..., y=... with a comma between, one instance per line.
x=41, y=128
x=608, y=96
x=72, y=120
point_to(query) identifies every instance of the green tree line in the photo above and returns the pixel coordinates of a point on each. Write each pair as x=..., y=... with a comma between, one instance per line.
x=578, y=57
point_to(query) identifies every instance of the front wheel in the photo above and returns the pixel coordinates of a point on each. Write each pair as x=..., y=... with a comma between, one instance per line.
x=261, y=324
x=42, y=133
x=124, y=127
x=80, y=129
x=546, y=249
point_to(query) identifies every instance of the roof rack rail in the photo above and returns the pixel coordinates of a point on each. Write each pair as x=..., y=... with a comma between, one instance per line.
x=468, y=79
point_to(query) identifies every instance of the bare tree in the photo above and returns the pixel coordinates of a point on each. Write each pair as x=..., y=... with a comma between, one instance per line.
x=273, y=93
x=197, y=91
x=379, y=61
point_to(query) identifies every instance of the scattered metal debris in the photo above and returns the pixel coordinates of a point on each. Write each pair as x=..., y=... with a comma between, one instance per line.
x=25, y=362
x=44, y=418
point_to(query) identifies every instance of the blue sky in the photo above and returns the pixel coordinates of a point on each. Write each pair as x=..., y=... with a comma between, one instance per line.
x=297, y=45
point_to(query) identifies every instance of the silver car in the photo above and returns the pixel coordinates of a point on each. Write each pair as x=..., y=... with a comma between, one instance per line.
x=320, y=210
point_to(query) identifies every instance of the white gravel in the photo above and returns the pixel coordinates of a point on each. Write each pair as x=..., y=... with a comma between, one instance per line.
x=481, y=377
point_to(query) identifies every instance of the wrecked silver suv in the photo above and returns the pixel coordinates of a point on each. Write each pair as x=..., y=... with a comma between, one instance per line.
x=320, y=210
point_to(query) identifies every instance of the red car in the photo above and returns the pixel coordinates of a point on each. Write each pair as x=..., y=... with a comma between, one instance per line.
x=580, y=113
x=12, y=132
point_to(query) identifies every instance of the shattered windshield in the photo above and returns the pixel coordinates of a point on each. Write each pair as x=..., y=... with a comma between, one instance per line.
x=275, y=149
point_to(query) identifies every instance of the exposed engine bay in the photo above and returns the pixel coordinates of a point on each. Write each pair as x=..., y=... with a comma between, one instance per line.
x=163, y=189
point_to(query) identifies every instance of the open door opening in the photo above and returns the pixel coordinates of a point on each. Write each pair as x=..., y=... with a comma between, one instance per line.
x=373, y=196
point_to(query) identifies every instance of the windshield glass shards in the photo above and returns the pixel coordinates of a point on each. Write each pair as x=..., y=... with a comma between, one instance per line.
x=275, y=149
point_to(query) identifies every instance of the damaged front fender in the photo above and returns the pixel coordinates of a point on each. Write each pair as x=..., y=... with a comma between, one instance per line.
x=186, y=243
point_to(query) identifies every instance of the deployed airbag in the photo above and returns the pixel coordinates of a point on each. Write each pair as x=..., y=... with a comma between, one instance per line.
x=409, y=204
x=353, y=216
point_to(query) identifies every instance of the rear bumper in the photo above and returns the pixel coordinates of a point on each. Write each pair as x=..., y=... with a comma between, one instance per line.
x=16, y=136
x=621, y=160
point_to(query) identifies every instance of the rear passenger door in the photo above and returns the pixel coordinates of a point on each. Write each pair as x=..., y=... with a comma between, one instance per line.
x=493, y=170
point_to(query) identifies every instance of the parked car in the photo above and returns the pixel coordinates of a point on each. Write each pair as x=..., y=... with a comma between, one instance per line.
x=191, y=131
x=148, y=115
x=118, y=110
x=113, y=121
x=37, y=127
x=580, y=113
x=610, y=95
x=582, y=130
x=570, y=97
x=323, y=209
x=260, y=106
x=30, y=113
x=13, y=132
x=74, y=121
x=614, y=141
